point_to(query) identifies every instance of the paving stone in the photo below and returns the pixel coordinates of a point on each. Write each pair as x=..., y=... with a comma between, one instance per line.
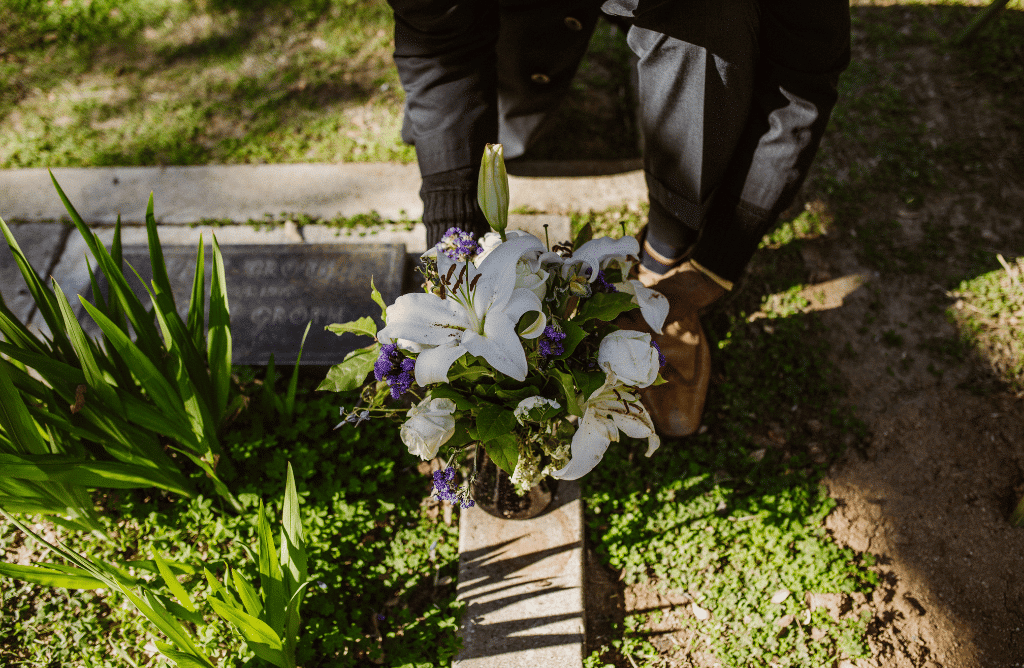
x=522, y=581
x=40, y=242
x=251, y=192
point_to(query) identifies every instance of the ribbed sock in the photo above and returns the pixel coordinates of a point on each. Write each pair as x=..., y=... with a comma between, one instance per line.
x=668, y=241
x=450, y=200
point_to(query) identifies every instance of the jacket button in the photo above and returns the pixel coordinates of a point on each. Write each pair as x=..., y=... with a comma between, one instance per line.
x=540, y=78
x=573, y=24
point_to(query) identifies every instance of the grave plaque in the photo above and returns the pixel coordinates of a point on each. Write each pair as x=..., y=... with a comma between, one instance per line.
x=275, y=290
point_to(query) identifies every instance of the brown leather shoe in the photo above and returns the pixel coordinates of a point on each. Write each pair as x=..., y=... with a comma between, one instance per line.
x=676, y=406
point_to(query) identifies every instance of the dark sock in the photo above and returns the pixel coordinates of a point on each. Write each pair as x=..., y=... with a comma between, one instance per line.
x=450, y=200
x=667, y=242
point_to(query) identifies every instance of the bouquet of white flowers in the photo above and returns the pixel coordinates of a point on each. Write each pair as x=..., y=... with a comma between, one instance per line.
x=512, y=347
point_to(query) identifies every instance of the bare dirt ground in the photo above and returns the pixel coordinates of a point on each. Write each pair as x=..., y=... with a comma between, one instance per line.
x=931, y=490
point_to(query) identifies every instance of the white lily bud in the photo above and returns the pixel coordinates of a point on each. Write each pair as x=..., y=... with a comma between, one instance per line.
x=492, y=188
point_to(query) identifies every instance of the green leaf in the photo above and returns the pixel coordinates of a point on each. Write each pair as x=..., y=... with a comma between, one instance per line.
x=86, y=351
x=15, y=420
x=379, y=301
x=161, y=281
x=363, y=327
x=291, y=624
x=568, y=387
x=45, y=302
x=604, y=306
x=219, y=590
x=260, y=637
x=156, y=386
x=293, y=383
x=219, y=334
x=195, y=320
x=351, y=373
x=515, y=395
x=503, y=451
x=47, y=576
x=182, y=659
x=465, y=368
x=72, y=470
x=493, y=421
x=585, y=234
x=172, y=584
x=462, y=403
x=271, y=578
x=588, y=381
x=293, y=544
x=574, y=334
x=246, y=592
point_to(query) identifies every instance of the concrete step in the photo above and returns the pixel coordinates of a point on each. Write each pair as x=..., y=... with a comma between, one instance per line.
x=522, y=581
x=251, y=192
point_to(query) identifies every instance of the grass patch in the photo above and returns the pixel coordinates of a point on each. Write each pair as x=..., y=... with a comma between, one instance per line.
x=734, y=514
x=103, y=83
x=990, y=312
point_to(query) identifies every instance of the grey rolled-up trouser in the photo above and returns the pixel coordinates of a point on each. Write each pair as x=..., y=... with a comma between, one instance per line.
x=734, y=96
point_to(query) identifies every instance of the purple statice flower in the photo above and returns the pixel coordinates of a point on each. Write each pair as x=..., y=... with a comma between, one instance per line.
x=550, y=344
x=395, y=369
x=385, y=361
x=443, y=484
x=601, y=284
x=443, y=480
x=661, y=355
x=459, y=246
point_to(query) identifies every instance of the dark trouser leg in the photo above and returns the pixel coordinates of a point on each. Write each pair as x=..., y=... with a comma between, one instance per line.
x=444, y=51
x=696, y=71
x=747, y=87
x=465, y=65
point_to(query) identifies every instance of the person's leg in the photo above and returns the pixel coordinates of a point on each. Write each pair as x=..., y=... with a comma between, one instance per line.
x=695, y=71
x=696, y=68
x=445, y=54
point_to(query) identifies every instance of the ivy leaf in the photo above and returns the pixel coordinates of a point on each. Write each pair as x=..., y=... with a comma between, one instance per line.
x=503, y=451
x=352, y=372
x=363, y=327
x=604, y=306
x=494, y=421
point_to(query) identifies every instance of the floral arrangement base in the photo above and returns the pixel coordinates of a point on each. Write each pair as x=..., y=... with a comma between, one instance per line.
x=494, y=493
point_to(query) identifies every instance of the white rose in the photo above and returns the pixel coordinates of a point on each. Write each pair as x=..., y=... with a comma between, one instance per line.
x=534, y=281
x=630, y=356
x=428, y=426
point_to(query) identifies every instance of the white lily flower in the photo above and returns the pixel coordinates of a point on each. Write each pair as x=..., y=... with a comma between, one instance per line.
x=630, y=356
x=478, y=315
x=610, y=409
x=598, y=254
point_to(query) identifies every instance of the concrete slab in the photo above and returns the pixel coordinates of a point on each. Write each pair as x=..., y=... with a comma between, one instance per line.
x=251, y=192
x=522, y=581
x=40, y=242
